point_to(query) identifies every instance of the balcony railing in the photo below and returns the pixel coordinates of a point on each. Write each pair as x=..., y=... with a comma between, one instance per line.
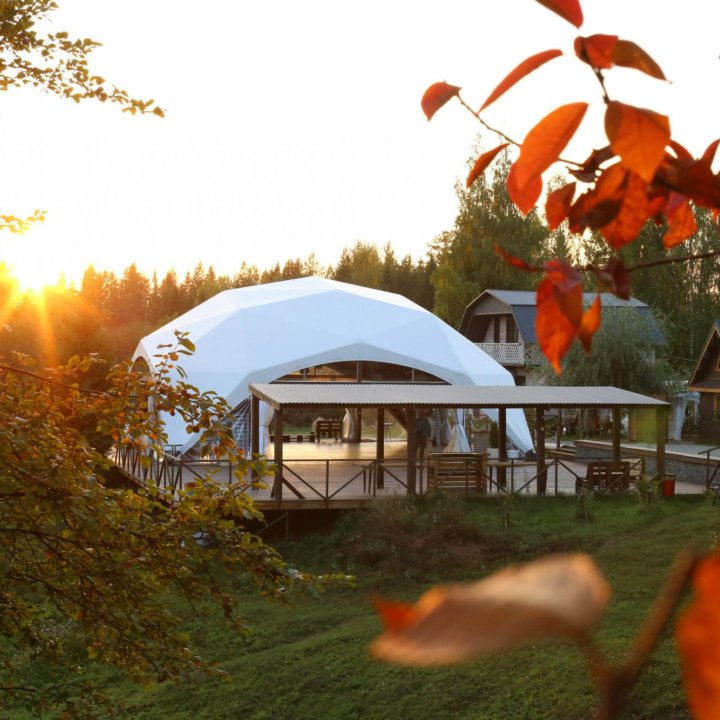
x=505, y=353
x=513, y=354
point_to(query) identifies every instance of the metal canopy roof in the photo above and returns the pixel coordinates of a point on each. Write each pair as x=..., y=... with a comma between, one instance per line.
x=450, y=396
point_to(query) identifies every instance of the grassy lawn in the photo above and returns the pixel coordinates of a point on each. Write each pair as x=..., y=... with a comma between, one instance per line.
x=311, y=661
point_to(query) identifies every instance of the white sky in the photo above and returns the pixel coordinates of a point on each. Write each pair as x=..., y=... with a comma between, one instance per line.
x=295, y=126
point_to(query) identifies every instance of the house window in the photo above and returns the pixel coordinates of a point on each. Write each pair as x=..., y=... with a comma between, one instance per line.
x=496, y=329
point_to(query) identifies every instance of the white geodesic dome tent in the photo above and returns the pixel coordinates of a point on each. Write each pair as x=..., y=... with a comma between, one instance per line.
x=261, y=333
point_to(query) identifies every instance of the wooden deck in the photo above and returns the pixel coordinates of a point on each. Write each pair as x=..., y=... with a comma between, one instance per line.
x=346, y=475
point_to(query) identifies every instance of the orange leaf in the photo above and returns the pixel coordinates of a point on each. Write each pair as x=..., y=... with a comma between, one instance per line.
x=559, y=311
x=569, y=10
x=436, y=96
x=544, y=143
x=681, y=226
x=482, y=162
x=616, y=276
x=526, y=198
x=635, y=210
x=596, y=50
x=590, y=325
x=557, y=205
x=698, y=638
x=709, y=154
x=553, y=598
x=638, y=136
x=396, y=616
x=627, y=54
x=601, y=204
x=681, y=152
x=516, y=262
x=523, y=69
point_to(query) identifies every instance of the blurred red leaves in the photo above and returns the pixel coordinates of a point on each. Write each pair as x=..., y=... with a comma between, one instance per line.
x=481, y=163
x=554, y=598
x=569, y=10
x=523, y=69
x=616, y=277
x=698, y=639
x=516, y=262
x=436, y=96
x=642, y=175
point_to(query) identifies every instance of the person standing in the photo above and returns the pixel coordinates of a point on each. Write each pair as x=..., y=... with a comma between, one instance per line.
x=423, y=431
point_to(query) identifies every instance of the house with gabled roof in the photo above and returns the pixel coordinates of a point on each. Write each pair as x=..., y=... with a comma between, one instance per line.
x=502, y=324
x=706, y=381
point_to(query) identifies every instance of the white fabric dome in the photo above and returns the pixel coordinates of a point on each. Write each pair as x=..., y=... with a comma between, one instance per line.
x=258, y=334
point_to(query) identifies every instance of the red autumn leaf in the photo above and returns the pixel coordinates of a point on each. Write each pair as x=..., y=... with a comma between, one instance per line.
x=526, y=198
x=557, y=205
x=544, y=143
x=699, y=183
x=482, y=162
x=638, y=136
x=516, y=262
x=616, y=277
x=552, y=598
x=559, y=311
x=395, y=616
x=569, y=10
x=590, y=325
x=601, y=204
x=627, y=54
x=681, y=152
x=588, y=170
x=698, y=638
x=523, y=69
x=681, y=225
x=436, y=96
x=596, y=50
x=589, y=212
x=635, y=210
x=709, y=154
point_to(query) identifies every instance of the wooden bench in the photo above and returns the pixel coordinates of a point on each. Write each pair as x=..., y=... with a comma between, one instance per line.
x=605, y=476
x=458, y=471
x=330, y=429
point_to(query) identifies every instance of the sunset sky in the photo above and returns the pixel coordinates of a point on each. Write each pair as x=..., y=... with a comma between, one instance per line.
x=296, y=127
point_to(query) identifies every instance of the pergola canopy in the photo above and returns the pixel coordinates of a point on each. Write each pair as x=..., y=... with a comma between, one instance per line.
x=280, y=395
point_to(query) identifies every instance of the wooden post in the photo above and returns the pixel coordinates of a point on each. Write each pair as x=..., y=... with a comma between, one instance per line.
x=411, y=449
x=617, y=451
x=255, y=425
x=558, y=430
x=661, y=430
x=254, y=429
x=540, y=441
x=380, y=448
x=502, y=446
x=278, y=455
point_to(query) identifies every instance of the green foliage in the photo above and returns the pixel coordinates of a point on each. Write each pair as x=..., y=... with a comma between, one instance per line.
x=624, y=355
x=79, y=559
x=53, y=61
x=312, y=661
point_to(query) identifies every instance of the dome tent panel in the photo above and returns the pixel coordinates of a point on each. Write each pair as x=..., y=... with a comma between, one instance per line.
x=260, y=333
